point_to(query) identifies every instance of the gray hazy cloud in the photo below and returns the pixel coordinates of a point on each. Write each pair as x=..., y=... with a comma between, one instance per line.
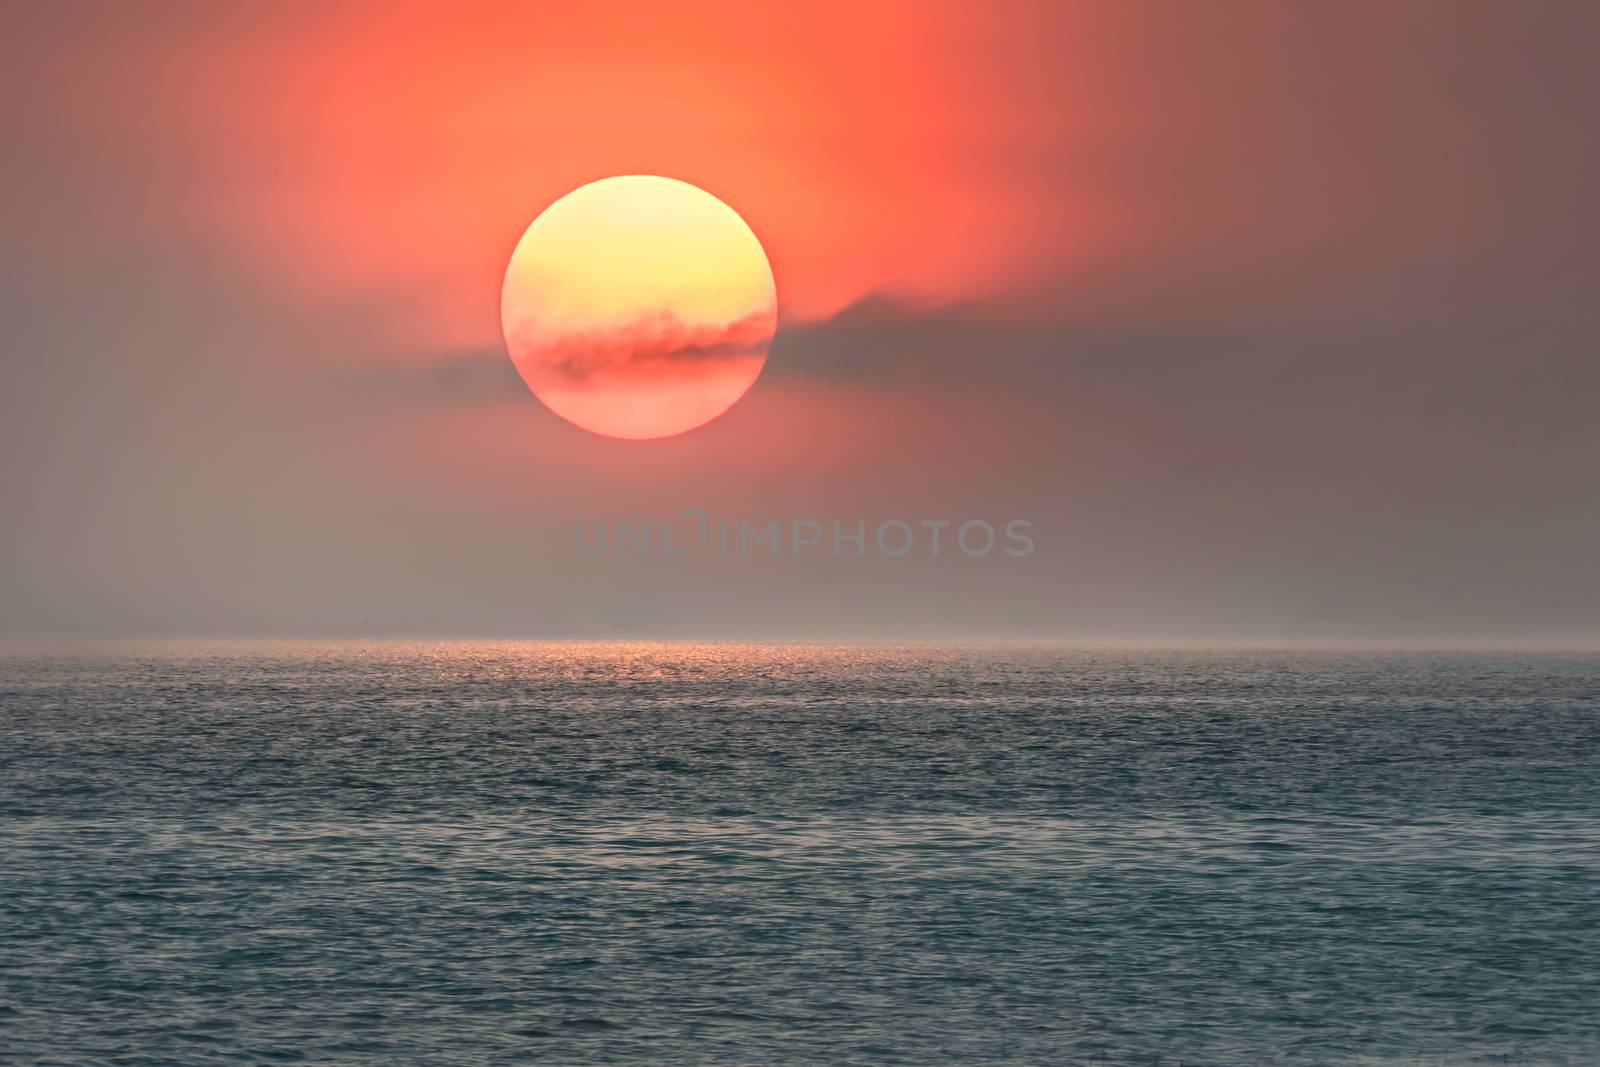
x=480, y=377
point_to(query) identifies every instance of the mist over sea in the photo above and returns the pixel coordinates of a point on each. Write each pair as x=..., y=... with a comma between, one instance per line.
x=798, y=854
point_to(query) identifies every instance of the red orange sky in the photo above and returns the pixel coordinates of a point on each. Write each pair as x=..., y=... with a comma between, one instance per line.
x=868, y=146
x=1250, y=303
x=1160, y=159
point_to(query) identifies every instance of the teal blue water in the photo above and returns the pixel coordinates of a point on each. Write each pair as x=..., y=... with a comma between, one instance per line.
x=742, y=854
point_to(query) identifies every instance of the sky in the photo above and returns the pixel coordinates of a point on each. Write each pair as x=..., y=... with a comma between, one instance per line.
x=1274, y=322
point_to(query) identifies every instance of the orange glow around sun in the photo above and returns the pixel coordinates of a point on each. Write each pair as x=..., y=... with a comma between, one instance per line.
x=639, y=307
x=392, y=152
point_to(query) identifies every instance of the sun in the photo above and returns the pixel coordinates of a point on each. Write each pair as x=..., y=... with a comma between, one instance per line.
x=639, y=307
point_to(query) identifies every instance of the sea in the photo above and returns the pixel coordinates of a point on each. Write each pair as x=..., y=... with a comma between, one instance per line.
x=769, y=854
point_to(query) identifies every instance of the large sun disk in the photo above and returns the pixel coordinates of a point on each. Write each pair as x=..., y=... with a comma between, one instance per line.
x=639, y=307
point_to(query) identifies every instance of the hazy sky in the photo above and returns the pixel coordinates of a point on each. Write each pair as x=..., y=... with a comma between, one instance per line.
x=1277, y=321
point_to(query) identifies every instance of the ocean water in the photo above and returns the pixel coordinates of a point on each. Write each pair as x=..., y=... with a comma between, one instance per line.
x=805, y=854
